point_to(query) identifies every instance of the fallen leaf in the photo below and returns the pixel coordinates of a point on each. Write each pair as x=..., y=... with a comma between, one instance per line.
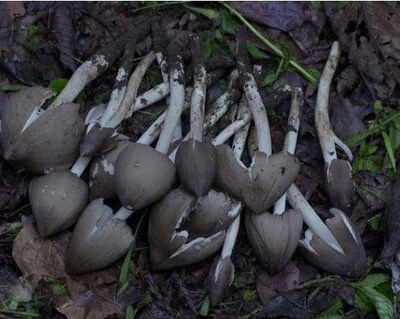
x=345, y=122
x=296, y=304
x=12, y=286
x=37, y=257
x=302, y=21
x=270, y=286
x=16, y=9
x=79, y=284
x=98, y=303
x=65, y=35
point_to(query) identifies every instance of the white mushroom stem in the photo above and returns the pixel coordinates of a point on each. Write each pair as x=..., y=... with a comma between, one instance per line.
x=151, y=96
x=259, y=114
x=177, y=135
x=114, y=113
x=86, y=73
x=222, y=104
x=326, y=136
x=290, y=142
x=114, y=116
x=175, y=108
x=311, y=218
x=80, y=165
x=123, y=213
x=224, y=135
x=162, y=62
x=198, y=104
x=121, y=82
x=231, y=232
x=151, y=134
x=239, y=142
x=231, y=129
x=219, y=108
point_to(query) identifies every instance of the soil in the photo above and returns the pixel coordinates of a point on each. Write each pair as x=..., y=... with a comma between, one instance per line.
x=43, y=41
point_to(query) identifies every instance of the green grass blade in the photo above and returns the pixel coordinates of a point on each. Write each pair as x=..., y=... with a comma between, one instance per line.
x=389, y=149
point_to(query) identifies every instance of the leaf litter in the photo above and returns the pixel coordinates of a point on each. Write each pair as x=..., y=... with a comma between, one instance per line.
x=367, y=32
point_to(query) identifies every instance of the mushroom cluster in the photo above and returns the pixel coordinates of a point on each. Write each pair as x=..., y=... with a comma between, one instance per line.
x=195, y=187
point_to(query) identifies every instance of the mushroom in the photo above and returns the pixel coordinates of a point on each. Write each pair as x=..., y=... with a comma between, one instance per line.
x=108, y=240
x=95, y=235
x=274, y=237
x=54, y=133
x=334, y=246
x=50, y=195
x=143, y=175
x=222, y=271
x=268, y=176
x=180, y=234
x=183, y=235
x=196, y=160
x=101, y=173
x=57, y=199
x=150, y=167
x=337, y=171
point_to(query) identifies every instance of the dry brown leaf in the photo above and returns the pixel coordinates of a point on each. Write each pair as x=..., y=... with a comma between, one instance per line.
x=79, y=284
x=270, y=286
x=98, y=303
x=16, y=9
x=37, y=257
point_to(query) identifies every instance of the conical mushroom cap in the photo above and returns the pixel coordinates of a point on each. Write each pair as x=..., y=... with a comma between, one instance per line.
x=219, y=279
x=270, y=176
x=169, y=244
x=143, y=176
x=210, y=216
x=339, y=184
x=49, y=143
x=352, y=263
x=97, y=141
x=274, y=238
x=196, y=163
x=102, y=173
x=231, y=173
x=263, y=183
x=16, y=112
x=57, y=199
x=194, y=251
x=98, y=240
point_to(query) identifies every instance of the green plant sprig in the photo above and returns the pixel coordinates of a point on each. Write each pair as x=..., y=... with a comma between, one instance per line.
x=306, y=74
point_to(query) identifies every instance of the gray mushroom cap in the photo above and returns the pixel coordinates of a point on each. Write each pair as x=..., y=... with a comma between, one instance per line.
x=102, y=173
x=352, y=262
x=274, y=238
x=220, y=278
x=196, y=164
x=263, y=183
x=143, y=176
x=339, y=184
x=170, y=245
x=57, y=199
x=210, y=216
x=49, y=143
x=98, y=240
